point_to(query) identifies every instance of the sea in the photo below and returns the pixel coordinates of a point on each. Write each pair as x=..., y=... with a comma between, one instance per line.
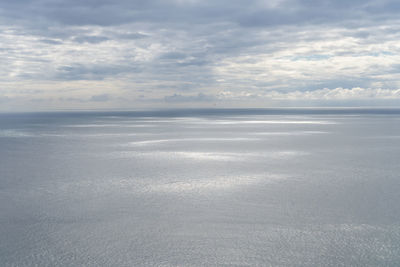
x=201, y=187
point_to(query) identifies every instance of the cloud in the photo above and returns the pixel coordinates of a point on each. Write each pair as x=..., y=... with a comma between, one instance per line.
x=181, y=51
x=321, y=94
x=50, y=41
x=254, y=13
x=90, y=39
x=200, y=97
x=341, y=94
x=100, y=98
x=91, y=71
x=131, y=36
x=4, y=99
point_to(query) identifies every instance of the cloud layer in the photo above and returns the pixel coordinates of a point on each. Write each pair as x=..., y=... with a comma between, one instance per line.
x=132, y=54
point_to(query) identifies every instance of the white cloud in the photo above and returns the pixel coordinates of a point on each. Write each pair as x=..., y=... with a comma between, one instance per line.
x=153, y=50
x=338, y=94
x=325, y=94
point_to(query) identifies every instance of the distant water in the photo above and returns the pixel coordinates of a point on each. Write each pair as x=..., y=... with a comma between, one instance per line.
x=279, y=187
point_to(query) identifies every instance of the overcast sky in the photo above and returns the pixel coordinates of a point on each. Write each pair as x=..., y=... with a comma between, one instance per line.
x=128, y=54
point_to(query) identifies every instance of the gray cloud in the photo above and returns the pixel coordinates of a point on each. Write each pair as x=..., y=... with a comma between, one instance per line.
x=100, y=98
x=181, y=50
x=91, y=72
x=51, y=42
x=4, y=99
x=200, y=97
x=131, y=36
x=251, y=13
x=90, y=39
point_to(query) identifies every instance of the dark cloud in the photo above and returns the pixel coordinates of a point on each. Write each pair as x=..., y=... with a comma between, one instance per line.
x=249, y=13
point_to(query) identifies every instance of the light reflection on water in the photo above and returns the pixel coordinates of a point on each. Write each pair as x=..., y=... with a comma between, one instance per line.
x=125, y=190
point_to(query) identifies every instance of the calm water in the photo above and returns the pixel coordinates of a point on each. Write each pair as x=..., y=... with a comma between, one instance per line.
x=201, y=188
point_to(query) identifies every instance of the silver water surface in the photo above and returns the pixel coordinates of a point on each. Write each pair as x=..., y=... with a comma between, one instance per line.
x=199, y=189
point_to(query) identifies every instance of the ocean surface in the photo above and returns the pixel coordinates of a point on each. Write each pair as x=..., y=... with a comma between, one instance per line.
x=273, y=187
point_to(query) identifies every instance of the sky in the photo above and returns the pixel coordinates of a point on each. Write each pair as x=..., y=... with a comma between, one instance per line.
x=135, y=54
